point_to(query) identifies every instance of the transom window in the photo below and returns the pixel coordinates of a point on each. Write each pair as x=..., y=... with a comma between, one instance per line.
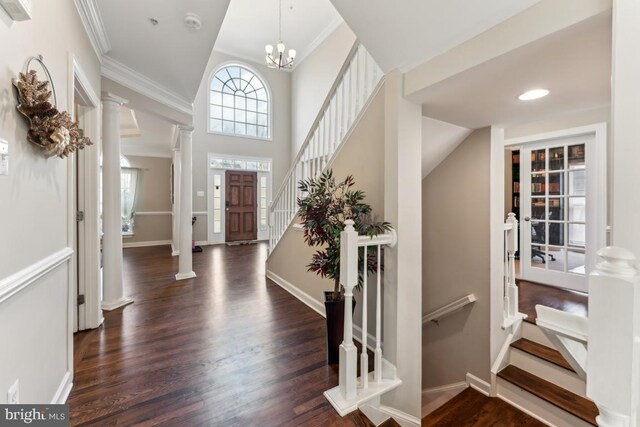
x=239, y=103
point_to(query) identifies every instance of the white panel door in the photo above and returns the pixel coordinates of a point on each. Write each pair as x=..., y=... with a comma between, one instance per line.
x=560, y=233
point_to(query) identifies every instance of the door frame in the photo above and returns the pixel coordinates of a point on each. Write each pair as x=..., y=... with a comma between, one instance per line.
x=255, y=207
x=84, y=271
x=220, y=238
x=597, y=157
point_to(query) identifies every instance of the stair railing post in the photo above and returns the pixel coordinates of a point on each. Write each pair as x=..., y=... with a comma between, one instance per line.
x=512, y=247
x=613, y=358
x=349, y=280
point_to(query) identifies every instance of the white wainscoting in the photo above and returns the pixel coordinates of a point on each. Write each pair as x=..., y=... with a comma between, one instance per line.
x=13, y=284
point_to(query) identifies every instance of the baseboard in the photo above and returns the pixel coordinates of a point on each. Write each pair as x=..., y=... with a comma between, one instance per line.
x=310, y=301
x=478, y=384
x=445, y=388
x=146, y=244
x=433, y=398
x=62, y=393
x=402, y=418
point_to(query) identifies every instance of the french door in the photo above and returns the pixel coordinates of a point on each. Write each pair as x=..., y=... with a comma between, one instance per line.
x=561, y=231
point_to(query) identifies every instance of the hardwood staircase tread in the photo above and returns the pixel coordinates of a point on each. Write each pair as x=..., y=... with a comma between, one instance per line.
x=543, y=352
x=361, y=420
x=576, y=405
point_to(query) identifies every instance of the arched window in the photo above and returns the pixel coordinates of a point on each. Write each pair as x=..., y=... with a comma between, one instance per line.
x=239, y=103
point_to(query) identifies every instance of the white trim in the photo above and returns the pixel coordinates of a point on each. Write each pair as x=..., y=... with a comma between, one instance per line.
x=451, y=308
x=94, y=26
x=18, y=281
x=526, y=410
x=478, y=384
x=158, y=213
x=443, y=388
x=322, y=36
x=140, y=83
x=307, y=299
x=400, y=417
x=200, y=213
x=146, y=244
x=184, y=276
x=62, y=393
x=112, y=305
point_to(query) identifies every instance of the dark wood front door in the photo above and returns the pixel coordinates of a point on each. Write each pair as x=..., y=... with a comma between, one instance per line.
x=241, y=205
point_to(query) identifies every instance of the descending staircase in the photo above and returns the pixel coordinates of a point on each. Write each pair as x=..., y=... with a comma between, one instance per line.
x=357, y=82
x=538, y=380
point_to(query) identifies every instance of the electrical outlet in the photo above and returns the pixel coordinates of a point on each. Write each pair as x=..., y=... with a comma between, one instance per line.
x=13, y=395
x=4, y=157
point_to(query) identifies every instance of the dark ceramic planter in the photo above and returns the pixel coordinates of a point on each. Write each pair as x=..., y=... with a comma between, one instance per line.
x=335, y=326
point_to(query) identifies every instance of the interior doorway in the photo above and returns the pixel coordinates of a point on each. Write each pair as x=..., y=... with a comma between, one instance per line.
x=241, y=205
x=557, y=189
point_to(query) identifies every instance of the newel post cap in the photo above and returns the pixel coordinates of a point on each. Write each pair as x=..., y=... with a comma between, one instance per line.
x=616, y=260
x=348, y=225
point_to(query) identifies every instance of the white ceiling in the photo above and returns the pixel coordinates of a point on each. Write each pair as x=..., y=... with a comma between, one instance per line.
x=250, y=25
x=170, y=54
x=156, y=136
x=404, y=33
x=574, y=64
x=439, y=139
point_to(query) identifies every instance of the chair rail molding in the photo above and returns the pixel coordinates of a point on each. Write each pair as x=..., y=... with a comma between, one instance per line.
x=13, y=284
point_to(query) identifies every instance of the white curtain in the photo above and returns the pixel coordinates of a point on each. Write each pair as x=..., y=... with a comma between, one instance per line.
x=129, y=194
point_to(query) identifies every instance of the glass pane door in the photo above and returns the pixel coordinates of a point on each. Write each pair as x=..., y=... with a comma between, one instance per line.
x=555, y=213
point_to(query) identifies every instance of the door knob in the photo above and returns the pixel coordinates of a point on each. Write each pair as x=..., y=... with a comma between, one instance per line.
x=527, y=219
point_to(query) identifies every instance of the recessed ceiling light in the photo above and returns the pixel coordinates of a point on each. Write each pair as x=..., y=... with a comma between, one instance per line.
x=533, y=94
x=153, y=21
x=192, y=21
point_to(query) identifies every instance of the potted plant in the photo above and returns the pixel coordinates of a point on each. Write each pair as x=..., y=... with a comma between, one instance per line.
x=323, y=209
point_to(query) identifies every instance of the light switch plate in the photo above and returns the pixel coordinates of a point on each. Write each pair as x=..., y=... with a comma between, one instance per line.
x=200, y=193
x=4, y=157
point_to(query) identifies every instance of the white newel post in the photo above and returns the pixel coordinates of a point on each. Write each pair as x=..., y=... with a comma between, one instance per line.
x=511, y=297
x=175, y=223
x=348, y=279
x=613, y=359
x=113, y=287
x=185, y=267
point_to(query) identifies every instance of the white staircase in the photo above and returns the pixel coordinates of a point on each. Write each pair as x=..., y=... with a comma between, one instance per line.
x=358, y=80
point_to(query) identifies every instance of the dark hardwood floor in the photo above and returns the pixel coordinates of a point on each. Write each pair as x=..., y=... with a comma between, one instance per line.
x=228, y=348
x=472, y=408
x=531, y=294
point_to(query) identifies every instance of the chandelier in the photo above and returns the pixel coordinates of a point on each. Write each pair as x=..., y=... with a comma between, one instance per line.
x=278, y=59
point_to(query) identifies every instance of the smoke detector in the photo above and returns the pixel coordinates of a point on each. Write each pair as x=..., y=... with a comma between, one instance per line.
x=192, y=21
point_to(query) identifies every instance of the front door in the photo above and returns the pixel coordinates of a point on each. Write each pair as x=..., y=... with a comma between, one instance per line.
x=241, y=205
x=559, y=199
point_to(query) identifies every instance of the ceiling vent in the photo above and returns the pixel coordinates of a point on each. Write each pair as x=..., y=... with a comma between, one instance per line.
x=192, y=21
x=18, y=10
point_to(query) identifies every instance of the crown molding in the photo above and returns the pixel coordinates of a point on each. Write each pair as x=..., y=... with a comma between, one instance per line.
x=328, y=30
x=140, y=83
x=94, y=26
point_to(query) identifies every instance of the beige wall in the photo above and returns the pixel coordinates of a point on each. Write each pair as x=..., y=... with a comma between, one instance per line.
x=154, y=196
x=360, y=156
x=312, y=79
x=455, y=263
x=34, y=323
x=278, y=149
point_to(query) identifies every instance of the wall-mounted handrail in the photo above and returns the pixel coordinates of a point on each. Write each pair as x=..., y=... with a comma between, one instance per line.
x=453, y=307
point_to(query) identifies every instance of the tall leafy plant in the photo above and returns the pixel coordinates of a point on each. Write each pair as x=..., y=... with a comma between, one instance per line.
x=326, y=205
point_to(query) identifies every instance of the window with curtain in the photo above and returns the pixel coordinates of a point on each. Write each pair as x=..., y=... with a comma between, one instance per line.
x=239, y=103
x=129, y=189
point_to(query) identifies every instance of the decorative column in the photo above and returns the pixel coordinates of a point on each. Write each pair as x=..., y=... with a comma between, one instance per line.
x=348, y=375
x=175, y=225
x=113, y=287
x=185, y=267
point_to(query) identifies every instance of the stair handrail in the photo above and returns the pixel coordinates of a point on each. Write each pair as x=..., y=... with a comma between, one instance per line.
x=319, y=116
x=447, y=310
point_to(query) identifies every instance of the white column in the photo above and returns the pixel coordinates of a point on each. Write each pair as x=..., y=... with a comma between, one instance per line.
x=185, y=267
x=175, y=239
x=402, y=321
x=113, y=287
x=625, y=105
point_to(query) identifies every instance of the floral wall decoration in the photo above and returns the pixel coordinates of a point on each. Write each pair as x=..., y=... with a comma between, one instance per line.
x=50, y=129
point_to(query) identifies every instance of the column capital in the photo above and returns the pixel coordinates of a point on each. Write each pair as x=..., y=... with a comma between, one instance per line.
x=186, y=128
x=109, y=98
